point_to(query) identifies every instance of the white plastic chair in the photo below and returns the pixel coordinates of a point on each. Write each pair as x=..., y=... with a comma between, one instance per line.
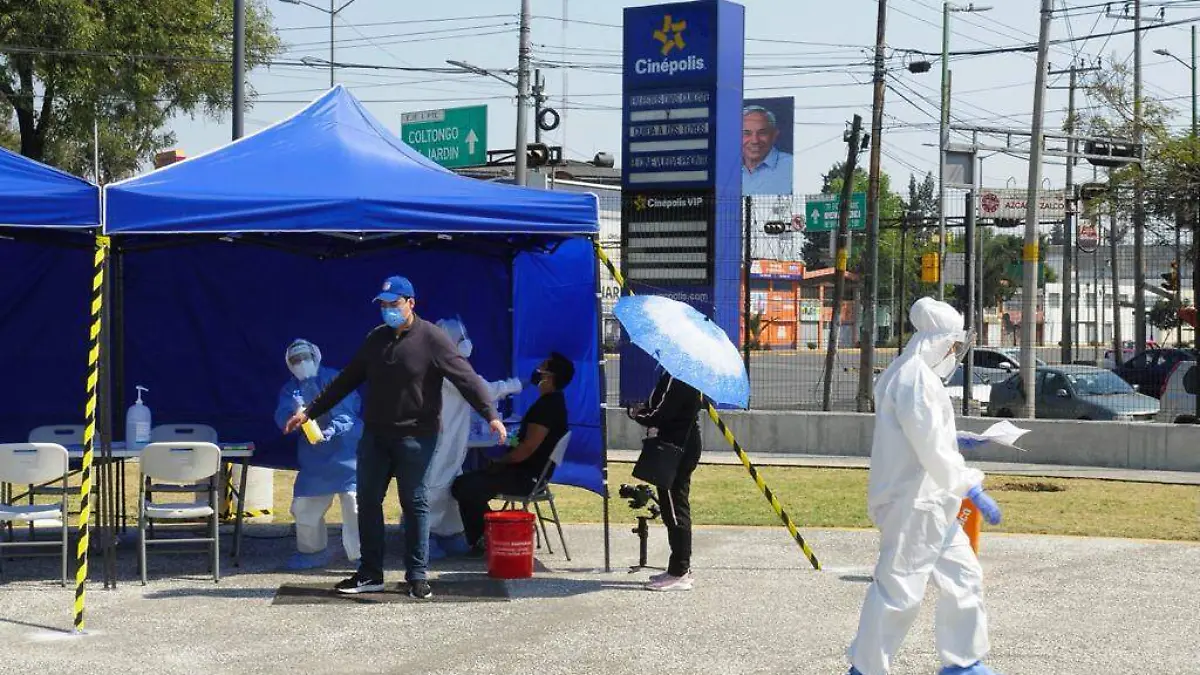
x=541, y=493
x=180, y=466
x=31, y=464
x=62, y=434
x=171, y=433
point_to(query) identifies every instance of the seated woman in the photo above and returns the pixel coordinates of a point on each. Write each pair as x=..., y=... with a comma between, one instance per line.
x=517, y=471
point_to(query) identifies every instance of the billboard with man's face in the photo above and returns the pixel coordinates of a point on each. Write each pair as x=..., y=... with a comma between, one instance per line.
x=767, y=143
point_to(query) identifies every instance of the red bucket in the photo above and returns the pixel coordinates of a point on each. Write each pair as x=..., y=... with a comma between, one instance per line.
x=509, y=536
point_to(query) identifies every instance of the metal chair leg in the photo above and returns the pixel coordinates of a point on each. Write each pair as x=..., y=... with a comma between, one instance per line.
x=542, y=522
x=142, y=527
x=558, y=524
x=66, y=541
x=216, y=535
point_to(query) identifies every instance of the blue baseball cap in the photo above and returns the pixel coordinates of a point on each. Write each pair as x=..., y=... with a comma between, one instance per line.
x=395, y=288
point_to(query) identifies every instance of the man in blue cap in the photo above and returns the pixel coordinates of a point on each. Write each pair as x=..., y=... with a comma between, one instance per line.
x=403, y=363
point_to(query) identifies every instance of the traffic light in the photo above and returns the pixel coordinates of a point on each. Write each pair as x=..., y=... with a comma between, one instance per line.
x=775, y=227
x=1171, y=279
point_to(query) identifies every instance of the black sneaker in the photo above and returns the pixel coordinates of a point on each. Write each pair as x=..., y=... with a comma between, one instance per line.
x=357, y=584
x=420, y=590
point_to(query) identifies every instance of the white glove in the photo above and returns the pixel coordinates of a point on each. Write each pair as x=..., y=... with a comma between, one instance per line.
x=513, y=385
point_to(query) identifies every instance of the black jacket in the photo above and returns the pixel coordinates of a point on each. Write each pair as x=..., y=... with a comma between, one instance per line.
x=672, y=409
x=404, y=375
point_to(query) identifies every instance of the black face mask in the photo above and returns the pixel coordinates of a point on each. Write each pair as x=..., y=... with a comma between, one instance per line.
x=536, y=378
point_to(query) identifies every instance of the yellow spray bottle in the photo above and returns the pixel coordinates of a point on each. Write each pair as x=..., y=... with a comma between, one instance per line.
x=312, y=430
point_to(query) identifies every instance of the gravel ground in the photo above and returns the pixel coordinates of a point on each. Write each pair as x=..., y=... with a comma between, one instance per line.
x=1069, y=606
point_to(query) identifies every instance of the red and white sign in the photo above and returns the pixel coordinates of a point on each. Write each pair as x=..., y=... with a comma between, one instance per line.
x=1010, y=204
x=1089, y=238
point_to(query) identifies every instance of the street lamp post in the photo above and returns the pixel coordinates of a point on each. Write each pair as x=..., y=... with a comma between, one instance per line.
x=332, y=12
x=943, y=133
x=1178, y=225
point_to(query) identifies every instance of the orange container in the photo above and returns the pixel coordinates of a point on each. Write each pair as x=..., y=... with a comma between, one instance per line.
x=509, y=536
x=971, y=522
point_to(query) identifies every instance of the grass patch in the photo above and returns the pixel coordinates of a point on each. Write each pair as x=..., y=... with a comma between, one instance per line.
x=725, y=495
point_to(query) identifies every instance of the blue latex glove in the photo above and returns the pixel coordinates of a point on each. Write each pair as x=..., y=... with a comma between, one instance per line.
x=328, y=433
x=987, y=506
x=966, y=444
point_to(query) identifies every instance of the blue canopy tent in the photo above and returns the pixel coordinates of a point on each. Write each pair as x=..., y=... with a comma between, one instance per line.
x=48, y=220
x=229, y=255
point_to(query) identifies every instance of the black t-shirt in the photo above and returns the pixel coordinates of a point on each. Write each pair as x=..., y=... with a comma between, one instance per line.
x=549, y=411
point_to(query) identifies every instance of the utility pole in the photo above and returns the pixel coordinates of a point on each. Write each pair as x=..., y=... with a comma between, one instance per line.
x=944, y=134
x=854, y=146
x=1071, y=219
x=969, y=276
x=1139, y=214
x=870, y=279
x=523, y=57
x=539, y=98
x=239, y=67
x=1114, y=247
x=1030, y=254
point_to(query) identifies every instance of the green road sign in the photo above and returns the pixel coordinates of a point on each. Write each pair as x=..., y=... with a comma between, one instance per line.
x=821, y=212
x=451, y=137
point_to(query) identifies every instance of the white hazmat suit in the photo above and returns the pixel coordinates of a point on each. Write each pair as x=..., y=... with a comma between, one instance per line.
x=917, y=483
x=444, y=521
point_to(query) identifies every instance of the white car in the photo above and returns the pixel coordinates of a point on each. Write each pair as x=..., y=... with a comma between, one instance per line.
x=1179, y=396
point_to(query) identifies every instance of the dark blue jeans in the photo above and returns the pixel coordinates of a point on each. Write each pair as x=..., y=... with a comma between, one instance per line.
x=380, y=458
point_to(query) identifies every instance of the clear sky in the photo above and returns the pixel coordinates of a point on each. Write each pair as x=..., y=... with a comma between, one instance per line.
x=819, y=52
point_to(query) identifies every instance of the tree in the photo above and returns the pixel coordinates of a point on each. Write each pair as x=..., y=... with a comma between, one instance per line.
x=128, y=66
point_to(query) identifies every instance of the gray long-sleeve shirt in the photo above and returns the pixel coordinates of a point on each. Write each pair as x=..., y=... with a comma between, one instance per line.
x=403, y=373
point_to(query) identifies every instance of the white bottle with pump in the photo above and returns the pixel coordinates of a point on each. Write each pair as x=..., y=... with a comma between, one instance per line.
x=312, y=430
x=137, y=423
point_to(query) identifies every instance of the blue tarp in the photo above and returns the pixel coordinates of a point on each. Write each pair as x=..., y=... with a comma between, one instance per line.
x=206, y=324
x=333, y=167
x=35, y=195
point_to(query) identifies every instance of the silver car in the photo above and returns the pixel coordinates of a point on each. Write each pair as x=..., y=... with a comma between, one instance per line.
x=1076, y=393
x=998, y=363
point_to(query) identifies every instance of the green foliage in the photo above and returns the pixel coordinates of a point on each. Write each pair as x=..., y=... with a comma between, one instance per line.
x=127, y=65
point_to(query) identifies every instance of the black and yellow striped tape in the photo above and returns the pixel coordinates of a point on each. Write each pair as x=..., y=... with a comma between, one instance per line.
x=99, y=263
x=737, y=448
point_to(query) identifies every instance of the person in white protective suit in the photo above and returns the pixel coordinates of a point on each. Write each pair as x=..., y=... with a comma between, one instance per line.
x=917, y=483
x=445, y=523
x=327, y=469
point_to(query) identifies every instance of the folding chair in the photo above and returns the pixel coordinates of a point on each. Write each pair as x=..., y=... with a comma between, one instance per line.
x=541, y=493
x=62, y=434
x=180, y=466
x=31, y=464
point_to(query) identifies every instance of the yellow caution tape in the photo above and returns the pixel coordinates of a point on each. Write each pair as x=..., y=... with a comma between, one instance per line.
x=737, y=448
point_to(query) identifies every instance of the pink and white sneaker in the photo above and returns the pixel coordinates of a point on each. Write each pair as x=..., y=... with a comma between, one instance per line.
x=667, y=582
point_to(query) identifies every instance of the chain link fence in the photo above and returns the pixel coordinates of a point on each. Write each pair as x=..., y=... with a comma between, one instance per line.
x=785, y=291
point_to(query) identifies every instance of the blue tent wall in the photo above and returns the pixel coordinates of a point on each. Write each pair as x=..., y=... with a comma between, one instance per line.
x=206, y=325
x=44, y=301
x=555, y=303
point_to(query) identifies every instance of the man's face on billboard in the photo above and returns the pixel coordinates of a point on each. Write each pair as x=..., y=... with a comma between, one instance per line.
x=758, y=137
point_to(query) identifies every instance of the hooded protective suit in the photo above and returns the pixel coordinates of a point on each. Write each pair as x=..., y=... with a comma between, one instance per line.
x=451, y=450
x=327, y=469
x=917, y=482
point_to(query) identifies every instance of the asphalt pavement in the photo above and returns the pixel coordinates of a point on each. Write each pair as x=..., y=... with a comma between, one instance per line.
x=1062, y=605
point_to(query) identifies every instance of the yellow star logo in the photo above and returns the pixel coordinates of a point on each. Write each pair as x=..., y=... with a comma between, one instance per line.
x=639, y=202
x=671, y=34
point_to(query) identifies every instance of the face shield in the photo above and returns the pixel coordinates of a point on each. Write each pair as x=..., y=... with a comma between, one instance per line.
x=955, y=355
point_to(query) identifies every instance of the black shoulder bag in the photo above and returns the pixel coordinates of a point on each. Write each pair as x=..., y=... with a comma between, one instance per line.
x=660, y=460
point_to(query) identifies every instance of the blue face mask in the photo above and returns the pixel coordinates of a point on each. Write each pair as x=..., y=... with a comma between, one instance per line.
x=393, y=317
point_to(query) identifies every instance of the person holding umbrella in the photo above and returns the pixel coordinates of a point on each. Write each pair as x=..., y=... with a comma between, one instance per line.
x=699, y=363
x=672, y=411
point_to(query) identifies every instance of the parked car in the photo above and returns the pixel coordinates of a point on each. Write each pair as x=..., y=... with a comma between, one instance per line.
x=981, y=391
x=1148, y=371
x=1075, y=393
x=1178, y=398
x=998, y=363
x=1127, y=352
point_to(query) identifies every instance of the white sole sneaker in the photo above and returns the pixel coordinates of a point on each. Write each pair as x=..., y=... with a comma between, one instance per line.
x=665, y=585
x=363, y=588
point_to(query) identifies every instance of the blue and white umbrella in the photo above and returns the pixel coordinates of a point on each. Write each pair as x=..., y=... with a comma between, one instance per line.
x=688, y=345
